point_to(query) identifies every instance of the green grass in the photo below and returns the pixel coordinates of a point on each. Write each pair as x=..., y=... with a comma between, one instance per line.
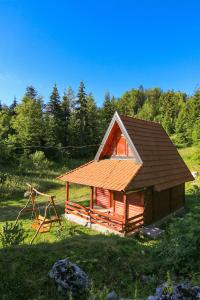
x=110, y=261
x=188, y=155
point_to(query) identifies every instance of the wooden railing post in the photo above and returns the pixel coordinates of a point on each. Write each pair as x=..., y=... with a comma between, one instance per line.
x=125, y=209
x=67, y=193
x=91, y=197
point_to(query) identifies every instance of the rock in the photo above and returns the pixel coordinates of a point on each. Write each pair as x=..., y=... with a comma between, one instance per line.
x=112, y=296
x=152, y=298
x=181, y=291
x=159, y=291
x=69, y=278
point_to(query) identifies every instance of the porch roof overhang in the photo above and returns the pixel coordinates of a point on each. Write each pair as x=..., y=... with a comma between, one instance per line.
x=112, y=174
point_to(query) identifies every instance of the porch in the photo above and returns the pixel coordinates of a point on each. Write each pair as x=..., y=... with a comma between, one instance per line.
x=115, y=213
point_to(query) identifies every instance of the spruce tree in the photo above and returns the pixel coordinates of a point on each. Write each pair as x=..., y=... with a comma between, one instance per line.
x=184, y=124
x=54, y=116
x=66, y=113
x=13, y=106
x=93, y=121
x=81, y=114
x=109, y=107
x=65, y=105
x=169, y=107
x=54, y=105
x=31, y=92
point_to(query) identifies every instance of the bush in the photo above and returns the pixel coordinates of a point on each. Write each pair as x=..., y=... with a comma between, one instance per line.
x=181, y=245
x=12, y=234
x=39, y=161
x=3, y=177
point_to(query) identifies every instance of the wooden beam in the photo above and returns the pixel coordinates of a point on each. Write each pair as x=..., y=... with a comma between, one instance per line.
x=67, y=191
x=125, y=207
x=113, y=194
x=95, y=195
x=91, y=197
x=55, y=209
x=109, y=195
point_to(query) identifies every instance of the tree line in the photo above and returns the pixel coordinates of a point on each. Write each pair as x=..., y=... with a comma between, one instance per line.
x=72, y=124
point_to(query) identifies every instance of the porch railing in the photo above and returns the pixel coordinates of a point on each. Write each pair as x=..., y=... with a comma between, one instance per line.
x=105, y=218
x=78, y=210
x=134, y=223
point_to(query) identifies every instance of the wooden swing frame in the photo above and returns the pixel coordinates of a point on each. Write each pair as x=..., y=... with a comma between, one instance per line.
x=41, y=223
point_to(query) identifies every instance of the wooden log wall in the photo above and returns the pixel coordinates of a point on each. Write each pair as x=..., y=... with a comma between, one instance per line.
x=160, y=204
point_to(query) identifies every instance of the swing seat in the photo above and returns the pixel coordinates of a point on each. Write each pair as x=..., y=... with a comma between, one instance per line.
x=49, y=220
x=44, y=228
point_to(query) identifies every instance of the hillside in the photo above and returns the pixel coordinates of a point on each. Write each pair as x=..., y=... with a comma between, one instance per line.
x=123, y=264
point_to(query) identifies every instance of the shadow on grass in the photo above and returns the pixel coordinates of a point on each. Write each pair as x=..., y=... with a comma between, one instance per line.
x=109, y=261
x=10, y=212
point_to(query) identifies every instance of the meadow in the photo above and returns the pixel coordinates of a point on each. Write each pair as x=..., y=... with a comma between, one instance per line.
x=131, y=266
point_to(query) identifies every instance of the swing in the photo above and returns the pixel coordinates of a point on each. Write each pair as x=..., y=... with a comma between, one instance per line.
x=41, y=223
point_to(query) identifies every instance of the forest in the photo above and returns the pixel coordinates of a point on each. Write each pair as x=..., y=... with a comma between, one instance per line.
x=39, y=140
x=72, y=125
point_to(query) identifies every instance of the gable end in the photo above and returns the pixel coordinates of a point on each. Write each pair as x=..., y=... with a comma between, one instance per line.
x=116, y=119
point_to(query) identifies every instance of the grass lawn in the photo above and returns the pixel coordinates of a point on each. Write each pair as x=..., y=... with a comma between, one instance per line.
x=110, y=261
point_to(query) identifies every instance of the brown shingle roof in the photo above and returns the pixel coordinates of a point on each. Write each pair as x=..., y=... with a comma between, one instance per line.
x=158, y=162
x=111, y=174
x=162, y=165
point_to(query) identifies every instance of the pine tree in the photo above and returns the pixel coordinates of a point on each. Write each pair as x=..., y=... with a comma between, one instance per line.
x=1, y=107
x=109, y=107
x=170, y=104
x=66, y=113
x=28, y=123
x=4, y=125
x=65, y=105
x=31, y=92
x=13, y=106
x=81, y=114
x=54, y=116
x=54, y=105
x=93, y=123
x=71, y=98
x=184, y=124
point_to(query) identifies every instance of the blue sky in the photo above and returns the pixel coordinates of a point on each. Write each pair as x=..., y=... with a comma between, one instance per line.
x=110, y=45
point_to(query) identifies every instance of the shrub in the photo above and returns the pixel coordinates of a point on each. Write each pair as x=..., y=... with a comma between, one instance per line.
x=180, y=245
x=12, y=234
x=39, y=161
x=3, y=177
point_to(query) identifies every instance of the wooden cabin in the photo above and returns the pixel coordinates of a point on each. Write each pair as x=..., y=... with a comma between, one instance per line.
x=136, y=178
